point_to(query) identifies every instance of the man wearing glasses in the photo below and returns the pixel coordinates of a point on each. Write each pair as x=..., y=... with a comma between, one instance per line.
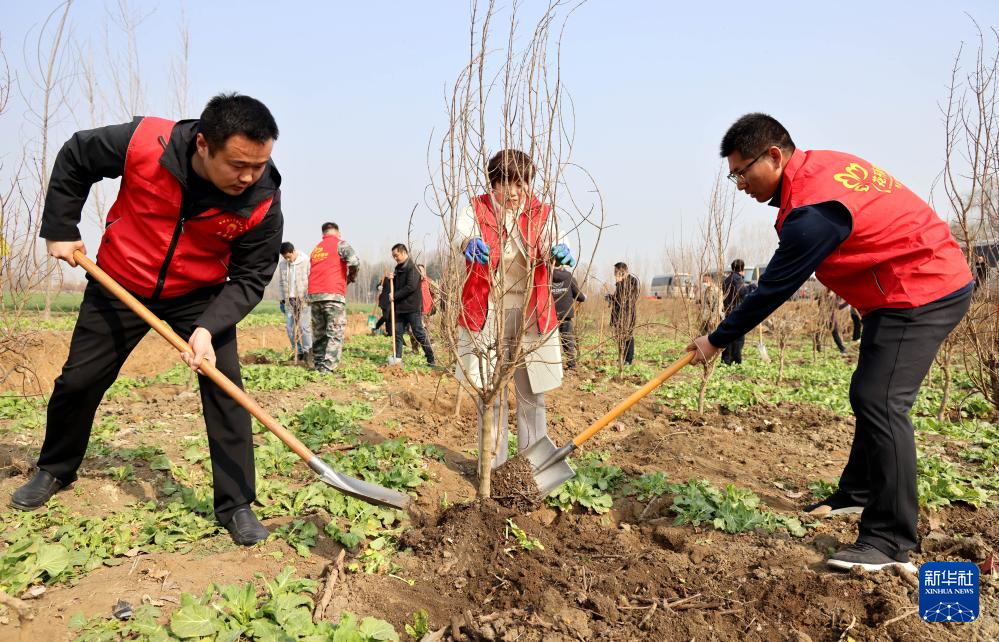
x=883, y=249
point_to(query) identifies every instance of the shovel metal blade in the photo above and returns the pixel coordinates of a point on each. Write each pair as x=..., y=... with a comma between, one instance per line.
x=555, y=473
x=358, y=488
x=551, y=478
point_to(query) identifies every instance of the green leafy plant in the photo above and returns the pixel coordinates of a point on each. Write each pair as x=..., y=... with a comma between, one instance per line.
x=281, y=612
x=523, y=540
x=300, y=535
x=732, y=509
x=275, y=377
x=648, y=486
x=420, y=626
x=940, y=482
x=821, y=489
x=591, y=488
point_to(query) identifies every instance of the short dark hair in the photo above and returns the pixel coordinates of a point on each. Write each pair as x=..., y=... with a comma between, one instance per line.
x=621, y=265
x=510, y=165
x=329, y=225
x=738, y=265
x=287, y=247
x=753, y=134
x=226, y=115
x=400, y=248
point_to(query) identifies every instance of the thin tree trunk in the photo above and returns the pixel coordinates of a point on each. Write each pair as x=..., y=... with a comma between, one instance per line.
x=702, y=393
x=488, y=446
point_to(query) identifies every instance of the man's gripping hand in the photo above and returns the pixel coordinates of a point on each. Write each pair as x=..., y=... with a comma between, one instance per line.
x=703, y=350
x=63, y=250
x=200, y=350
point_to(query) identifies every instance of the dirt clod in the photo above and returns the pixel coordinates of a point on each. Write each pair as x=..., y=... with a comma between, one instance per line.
x=513, y=486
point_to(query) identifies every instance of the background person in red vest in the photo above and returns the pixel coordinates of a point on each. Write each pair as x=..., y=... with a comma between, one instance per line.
x=879, y=246
x=194, y=234
x=511, y=223
x=427, y=286
x=333, y=265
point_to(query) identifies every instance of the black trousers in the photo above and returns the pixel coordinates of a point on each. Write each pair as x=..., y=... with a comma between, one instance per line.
x=568, y=337
x=106, y=332
x=414, y=321
x=897, y=348
x=733, y=351
x=627, y=345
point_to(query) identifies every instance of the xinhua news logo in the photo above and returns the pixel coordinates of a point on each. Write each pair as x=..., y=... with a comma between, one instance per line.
x=948, y=592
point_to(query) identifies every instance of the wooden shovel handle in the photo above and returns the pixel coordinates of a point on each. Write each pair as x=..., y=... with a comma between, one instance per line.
x=619, y=409
x=206, y=368
x=392, y=312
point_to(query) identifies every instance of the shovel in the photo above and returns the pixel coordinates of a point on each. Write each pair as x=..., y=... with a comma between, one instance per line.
x=393, y=360
x=762, y=347
x=548, y=461
x=365, y=491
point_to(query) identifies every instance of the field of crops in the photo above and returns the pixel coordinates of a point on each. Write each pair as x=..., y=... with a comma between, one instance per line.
x=679, y=524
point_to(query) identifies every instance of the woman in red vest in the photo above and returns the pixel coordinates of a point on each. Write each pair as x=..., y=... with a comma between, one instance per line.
x=509, y=240
x=879, y=246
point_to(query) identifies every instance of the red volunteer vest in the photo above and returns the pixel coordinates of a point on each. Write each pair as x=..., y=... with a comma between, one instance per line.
x=475, y=292
x=428, y=298
x=900, y=254
x=328, y=274
x=144, y=223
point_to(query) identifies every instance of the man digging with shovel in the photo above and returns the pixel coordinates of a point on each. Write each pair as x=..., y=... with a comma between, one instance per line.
x=884, y=250
x=194, y=234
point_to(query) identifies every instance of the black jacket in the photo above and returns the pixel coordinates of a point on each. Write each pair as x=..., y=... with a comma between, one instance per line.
x=94, y=154
x=565, y=291
x=735, y=289
x=408, y=291
x=624, y=303
x=383, y=296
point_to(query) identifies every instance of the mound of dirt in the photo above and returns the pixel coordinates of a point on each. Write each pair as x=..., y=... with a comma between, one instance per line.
x=513, y=486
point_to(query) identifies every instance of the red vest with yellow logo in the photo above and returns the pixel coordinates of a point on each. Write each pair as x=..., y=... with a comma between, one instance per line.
x=146, y=246
x=475, y=292
x=328, y=273
x=899, y=254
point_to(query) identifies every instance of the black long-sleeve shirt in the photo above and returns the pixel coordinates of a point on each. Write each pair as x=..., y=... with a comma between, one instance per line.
x=94, y=154
x=565, y=292
x=809, y=234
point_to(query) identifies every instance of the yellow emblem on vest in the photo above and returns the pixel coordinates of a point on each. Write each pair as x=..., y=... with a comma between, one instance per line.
x=229, y=227
x=856, y=177
x=319, y=254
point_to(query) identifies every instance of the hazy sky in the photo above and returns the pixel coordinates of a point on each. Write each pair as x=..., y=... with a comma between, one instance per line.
x=358, y=87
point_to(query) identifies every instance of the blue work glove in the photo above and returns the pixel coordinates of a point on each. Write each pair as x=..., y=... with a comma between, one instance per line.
x=562, y=255
x=282, y=307
x=477, y=251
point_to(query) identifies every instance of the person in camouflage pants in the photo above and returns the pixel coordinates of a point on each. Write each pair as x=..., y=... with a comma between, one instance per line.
x=329, y=321
x=334, y=264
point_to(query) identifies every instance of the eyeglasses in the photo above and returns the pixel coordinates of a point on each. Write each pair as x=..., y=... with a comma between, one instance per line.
x=740, y=176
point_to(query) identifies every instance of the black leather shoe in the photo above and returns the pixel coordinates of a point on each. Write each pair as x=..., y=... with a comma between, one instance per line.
x=245, y=528
x=36, y=492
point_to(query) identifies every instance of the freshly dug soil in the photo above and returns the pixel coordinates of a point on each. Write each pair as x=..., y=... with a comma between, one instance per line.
x=513, y=486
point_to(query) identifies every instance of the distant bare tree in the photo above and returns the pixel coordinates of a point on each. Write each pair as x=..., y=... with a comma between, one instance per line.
x=716, y=231
x=971, y=184
x=129, y=99
x=47, y=104
x=180, y=82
